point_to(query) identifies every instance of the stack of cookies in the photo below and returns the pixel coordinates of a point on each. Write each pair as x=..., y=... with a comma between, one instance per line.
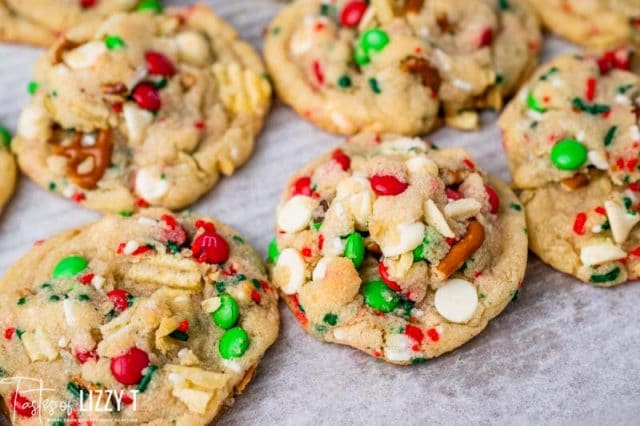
x=386, y=244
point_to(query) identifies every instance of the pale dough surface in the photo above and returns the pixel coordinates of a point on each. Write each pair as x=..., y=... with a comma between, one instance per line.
x=443, y=58
x=85, y=135
x=7, y=175
x=85, y=329
x=328, y=299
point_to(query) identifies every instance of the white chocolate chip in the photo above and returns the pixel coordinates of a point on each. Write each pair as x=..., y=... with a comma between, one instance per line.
x=634, y=132
x=398, y=347
x=403, y=146
x=356, y=194
x=421, y=165
x=193, y=48
x=597, y=254
x=333, y=247
x=434, y=217
x=621, y=220
x=598, y=159
x=320, y=271
x=408, y=237
x=463, y=208
x=84, y=56
x=296, y=213
x=150, y=185
x=211, y=304
x=34, y=122
x=456, y=300
x=289, y=272
x=137, y=121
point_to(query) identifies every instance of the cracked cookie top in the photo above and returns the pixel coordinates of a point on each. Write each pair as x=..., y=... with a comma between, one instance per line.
x=170, y=314
x=396, y=248
x=39, y=22
x=392, y=66
x=145, y=109
x=592, y=23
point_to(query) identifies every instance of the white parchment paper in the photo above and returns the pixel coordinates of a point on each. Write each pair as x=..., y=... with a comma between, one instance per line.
x=563, y=352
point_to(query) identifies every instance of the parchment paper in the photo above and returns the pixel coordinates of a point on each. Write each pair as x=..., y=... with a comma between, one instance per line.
x=563, y=352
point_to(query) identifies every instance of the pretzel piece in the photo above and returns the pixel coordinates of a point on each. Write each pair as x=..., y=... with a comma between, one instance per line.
x=461, y=251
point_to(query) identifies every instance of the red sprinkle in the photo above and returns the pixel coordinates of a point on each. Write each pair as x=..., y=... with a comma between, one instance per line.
x=87, y=4
x=159, y=64
x=469, y=163
x=486, y=37
x=600, y=210
x=590, y=92
x=306, y=252
x=200, y=125
x=414, y=332
x=579, y=222
x=86, y=279
x=341, y=158
x=317, y=72
x=77, y=197
x=255, y=296
x=433, y=334
x=302, y=318
x=22, y=406
x=387, y=185
x=117, y=108
x=384, y=274
x=302, y=186
x=9, y=332
x=147, y=97
x=352, y=13
x=184, y=326
x=84, y=356
x=494, y=200
x=452, y=194
x=635, y=252
x=126, y=399
x=320, y=242
x=142, y=203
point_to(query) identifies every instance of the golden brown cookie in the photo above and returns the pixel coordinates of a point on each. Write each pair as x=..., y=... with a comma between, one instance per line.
x=572, y=139
x=397, y=249
x=387, y=66
x=7, y=167
x=143, y=110
x=153, y=318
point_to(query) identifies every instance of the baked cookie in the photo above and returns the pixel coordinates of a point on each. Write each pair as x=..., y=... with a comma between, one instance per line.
x=151, y=319
x=388, y=66
x=592, y=23
x=40, y=22
x=146, y=109
x=397, y=249
x=7, y=167
x=572, y=138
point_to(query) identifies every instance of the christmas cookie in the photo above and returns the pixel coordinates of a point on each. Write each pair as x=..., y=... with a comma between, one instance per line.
x=385, y=66
x=593, y=23
x=150, y=319
x=7, y=167
x=572, y=139
x=145, y=109
x=397, y=249
x=40, y=22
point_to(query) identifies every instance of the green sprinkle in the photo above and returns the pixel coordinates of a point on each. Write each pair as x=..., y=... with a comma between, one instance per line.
x=220, y=286
x=549, y=73
x=317, y=225
x=179, y=335
x=46, y=286
x=594, y=109
x=52, y=186
x=481, y=296
x=161, y=84
x=611, y=134
x=513, y=295
x=144, y=383
x=499, y=78
x=19, y=333
x=150, y=6
x=627, y=202
x=623, y=89
x=375, y=87
x=77, y=391
x=173, y=247
x=612, y=275
x=274, y=252
x=344, y=82
x=113, y=42
x=420, y=359
x=256, y=283
x=5, y=136
x=126, y=213
x=84, y=298
x=532, y=103
x=330, y=318
x=54, y=298
x=32, y=87
x=324, y=9
x=60, y=421
x=516, y=207
x=238, y=239
x=241, y=277
x=605, y=226
x=22, y=300
x=275, y=31
x=3, y=372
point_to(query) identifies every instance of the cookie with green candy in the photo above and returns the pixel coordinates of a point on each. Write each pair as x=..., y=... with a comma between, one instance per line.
x=572, y=140
x=397, y=249
x=144, y=109
x=593, y=23
x=7, y=167
x=399, y=66
x=170, y=313
x=40, y=22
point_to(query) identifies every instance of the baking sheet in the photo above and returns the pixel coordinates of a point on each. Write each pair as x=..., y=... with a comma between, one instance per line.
x=563, y=352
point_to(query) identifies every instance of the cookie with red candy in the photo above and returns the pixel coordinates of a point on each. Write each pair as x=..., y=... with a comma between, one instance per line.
x=170, y=313
x=404, y=251
x=572, y=138
x=142, y=109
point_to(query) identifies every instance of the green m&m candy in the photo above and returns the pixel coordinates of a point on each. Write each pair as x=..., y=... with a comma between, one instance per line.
x=69, y=267
x=150, y=6
x=274, y=252
x=379, y=296
x=227, y=314
x=374, y=39
x=233, y=343
x=569, y=154
x=354, y=249
x=5, y=136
